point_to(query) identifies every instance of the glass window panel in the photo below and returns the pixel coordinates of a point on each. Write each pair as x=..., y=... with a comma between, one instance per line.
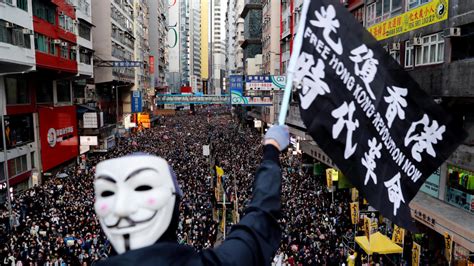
x=24, y=164
x=63, y=91
x=441, y=52
x=386, y=6
x=396, y=4
x=418, y=55
x=378, y=8
x=432, y=53
x=425, y=54
x=44, y=93
x=17, y=91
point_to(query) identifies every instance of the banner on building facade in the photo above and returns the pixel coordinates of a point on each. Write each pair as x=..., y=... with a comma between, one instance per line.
x=427, y=14
x=448, y=247
x=355, y=212
x=136, y=101
x=398, y=236
x=58, y=135
x=415, y=254
x=367, y=113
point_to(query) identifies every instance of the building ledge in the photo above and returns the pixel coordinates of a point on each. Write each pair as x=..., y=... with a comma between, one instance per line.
x=250, y=4
x=447, y=218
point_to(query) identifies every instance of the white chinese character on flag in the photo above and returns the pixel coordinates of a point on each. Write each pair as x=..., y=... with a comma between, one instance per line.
x=365, y=66
x=339, y=113
x=327, y=20
x=396, y=103
x=369, y=160
x=395, y=194
x=424, y=140
x=312, y=79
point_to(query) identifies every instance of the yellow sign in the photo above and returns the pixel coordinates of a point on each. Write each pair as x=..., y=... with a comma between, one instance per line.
x=415, y=254
x=335, y=175
x=367, y=223
x=448, y=247
x=430, y=13
x=355, y=212
x=354, y=194
x=329, y=177
x=398, y=236
x=374, y=226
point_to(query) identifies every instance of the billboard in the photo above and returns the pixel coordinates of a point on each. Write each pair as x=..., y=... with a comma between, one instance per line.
x=265, y=83
x=136, y=101
x=58, y=135
x=430, y=13
x=173, y=36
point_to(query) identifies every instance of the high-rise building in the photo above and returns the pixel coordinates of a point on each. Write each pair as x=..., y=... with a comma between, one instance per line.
x=271, y=37
x=252, y=14
x=142, y=53
x=218, y=45
x=158, y=10
x=205, y=44
x=185, y=42
x=173, y=76
x=230, y=25
x=195, y=46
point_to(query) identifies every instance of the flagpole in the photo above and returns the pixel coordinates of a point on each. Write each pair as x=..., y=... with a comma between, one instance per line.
x=298, y=42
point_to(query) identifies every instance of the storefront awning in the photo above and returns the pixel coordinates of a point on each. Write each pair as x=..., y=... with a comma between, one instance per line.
x=379, y=243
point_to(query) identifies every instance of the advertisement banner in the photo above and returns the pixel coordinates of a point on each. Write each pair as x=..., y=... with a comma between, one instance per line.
x=329, y=177
x=431, y=185
x=366, y=112
x=136, y=101
x=427, y=14
x=237, y=98
x=58, y=135
x=88, y=141
x=398, y=236
x=415, y=254
x=355, y=212
x=265, y=83
x=236, y=82
x=152, y=64
x=448, y=247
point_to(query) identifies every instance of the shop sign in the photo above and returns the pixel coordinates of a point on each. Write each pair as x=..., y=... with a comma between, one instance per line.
x=460, y=252
x=265, y=83
x=58, y=135
x=448, y=245
x=136, y=101
x=415, y=254
x=398, y=236
x=425, y=15
x=90, y=120
x=424, y=217
x=355, y=212
x=88, y=141
x=431, y=185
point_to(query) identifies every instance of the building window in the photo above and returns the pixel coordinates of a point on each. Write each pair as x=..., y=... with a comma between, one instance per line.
x=18, y=130
x=416, y=3
x=17, y=166
x=72, y=54
x=22, y=4
x=17, y=91
x=85, y=31
x=44, y=92
x=64, y=52
x=45, y=10
x=396, y=55
x=382, y=9
x=63, y=91
x=408, y=54
x=85, y=57
x=460, y=188
x=431, y=51
x=13, y=34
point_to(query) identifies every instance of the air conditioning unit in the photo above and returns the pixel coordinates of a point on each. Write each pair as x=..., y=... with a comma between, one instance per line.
x=345, y=2
x=395, y=46
x=417, y=41
x=57, y=41
x=27, y=31
x=74, y=47
x=452, y=32
x=64, y=44
x=9, y=25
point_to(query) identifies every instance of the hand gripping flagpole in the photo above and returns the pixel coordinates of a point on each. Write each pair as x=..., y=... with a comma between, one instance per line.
x=298, y=42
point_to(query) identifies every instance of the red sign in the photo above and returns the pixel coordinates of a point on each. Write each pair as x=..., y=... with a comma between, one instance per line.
x=186, y=89
x=152, y=64
x=58, y=134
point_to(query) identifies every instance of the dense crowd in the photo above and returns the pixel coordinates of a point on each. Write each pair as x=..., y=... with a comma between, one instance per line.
x=55, y=223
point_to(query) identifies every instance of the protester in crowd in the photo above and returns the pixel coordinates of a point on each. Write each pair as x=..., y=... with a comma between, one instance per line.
x=55, y=221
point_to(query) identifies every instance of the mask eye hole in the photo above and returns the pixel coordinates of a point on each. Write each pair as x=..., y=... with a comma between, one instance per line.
x=143, y=188
x=107, y=193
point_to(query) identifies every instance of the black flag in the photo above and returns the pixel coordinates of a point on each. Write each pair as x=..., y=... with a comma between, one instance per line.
x=367, y=113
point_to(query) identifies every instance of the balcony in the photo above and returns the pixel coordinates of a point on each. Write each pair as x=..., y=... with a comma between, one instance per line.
x=251, y=4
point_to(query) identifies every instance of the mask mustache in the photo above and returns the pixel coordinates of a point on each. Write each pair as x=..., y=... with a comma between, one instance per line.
x=130, y=221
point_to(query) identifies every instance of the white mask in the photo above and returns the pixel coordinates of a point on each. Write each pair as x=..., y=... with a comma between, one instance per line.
x=135, y=197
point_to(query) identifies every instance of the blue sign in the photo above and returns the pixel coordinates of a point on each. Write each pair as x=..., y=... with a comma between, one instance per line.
x=136, y=102
x=236, y=83
x=126, y=63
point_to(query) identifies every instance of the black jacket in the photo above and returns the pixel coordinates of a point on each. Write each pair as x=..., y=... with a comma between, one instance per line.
x=253, y=241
